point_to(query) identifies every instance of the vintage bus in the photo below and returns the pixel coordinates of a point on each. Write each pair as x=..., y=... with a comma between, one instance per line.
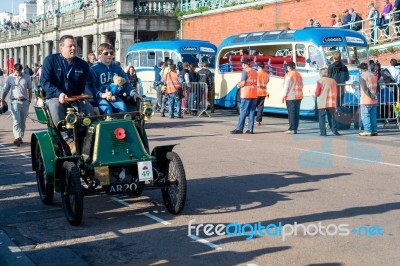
x=144, y=56
x=310, y=48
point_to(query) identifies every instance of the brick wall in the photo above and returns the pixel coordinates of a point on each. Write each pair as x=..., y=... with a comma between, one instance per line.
x=216, y=27
x=291, y=13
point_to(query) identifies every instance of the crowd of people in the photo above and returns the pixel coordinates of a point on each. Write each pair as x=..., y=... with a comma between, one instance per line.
x=352, y=19
x=329, y=93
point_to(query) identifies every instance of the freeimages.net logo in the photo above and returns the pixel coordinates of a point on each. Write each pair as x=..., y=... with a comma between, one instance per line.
x=281, y=230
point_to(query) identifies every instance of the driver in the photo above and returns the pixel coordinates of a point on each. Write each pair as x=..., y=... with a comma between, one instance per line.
x=65, y=75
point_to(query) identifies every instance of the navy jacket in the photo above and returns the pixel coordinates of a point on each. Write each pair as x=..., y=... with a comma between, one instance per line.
x=58, y=77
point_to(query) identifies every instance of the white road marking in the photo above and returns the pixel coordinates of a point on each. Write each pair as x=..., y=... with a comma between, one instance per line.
x=350, y=157
x=14, y=155
x=155, y=218
x=120, y=201
x=216, y=135
x=20, y=173
x=203, y=241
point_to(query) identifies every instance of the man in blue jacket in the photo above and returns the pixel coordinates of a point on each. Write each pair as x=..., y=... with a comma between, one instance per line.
x=103, y=72
x=65, y=75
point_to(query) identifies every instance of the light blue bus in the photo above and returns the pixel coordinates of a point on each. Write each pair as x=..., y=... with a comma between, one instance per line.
x=144, y=56
x=310, y=48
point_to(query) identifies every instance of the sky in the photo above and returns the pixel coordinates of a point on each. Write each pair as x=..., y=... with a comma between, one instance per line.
x=6, y=5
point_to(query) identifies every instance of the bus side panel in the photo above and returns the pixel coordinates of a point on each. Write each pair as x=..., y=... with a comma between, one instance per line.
x=146, y=81
x=227, y=85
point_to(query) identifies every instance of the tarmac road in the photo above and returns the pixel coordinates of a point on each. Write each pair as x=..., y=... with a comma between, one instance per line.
x=342, y=191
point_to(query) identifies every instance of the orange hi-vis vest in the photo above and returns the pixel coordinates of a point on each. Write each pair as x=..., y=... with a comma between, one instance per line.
x=372, y=85
x=249, y=90
x=171, y=79
x=295, y=86
x=262, y=81
x=328, y=95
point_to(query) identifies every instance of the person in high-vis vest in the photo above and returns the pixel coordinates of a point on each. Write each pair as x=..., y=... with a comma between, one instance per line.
x=172, y=80
x=248, y=98
x=326, y=93
x=368, y=101
x=262, y=81
x=292, y=95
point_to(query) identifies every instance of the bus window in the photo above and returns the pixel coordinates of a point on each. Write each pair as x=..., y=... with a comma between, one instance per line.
x=357, y=55
x=175, y=57
x=143, y=58
x=151, y=58
x=159, y=57
x=190, y=58
x=166, y=56
x=132, y=60
x=300, y=58
x=316, y=57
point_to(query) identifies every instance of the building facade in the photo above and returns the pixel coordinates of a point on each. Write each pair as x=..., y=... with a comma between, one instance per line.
x=120, y=22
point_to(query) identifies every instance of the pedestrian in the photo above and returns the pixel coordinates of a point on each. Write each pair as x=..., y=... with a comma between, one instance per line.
x=206, y=76
x=133, y=78
x=103, y=72
x=262, y=93
x=163, y=86
x=356, y=20
x=339, y=72
x=248, y=98
x=373, y=16
x=333, y=20
x=396, y=16
x=326, y=93
x=368, y=101
x=19, y=85
x=65, y=75
x=183, y=75
x=91, y=59
x=157, y=82
x=172, y=80
x=346, y=19
x=385, y=16
x=292, y=95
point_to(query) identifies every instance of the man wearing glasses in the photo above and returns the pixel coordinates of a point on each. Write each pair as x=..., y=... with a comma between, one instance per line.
x=65, y=75
x=103, y=72
x=20, y=87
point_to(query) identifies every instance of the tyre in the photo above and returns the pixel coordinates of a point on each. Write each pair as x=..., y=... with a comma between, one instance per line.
x=46, y=190
x=71, y=193
x=174, y=195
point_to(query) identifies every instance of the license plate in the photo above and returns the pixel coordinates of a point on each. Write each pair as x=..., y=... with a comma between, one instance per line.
x=121, y=188
x=145, y=170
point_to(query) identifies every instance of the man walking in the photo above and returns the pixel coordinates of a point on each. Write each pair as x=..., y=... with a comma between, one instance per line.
x=248, y=98
x=293, y=94
x=262, y=81
x=20, y=87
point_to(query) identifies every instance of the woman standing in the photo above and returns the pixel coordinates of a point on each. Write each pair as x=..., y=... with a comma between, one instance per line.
x=133, y=79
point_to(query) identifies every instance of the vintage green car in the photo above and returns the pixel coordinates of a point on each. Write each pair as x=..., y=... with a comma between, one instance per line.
x=112, y=157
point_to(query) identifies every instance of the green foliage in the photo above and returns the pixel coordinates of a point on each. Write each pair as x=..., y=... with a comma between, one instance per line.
x=258, y=7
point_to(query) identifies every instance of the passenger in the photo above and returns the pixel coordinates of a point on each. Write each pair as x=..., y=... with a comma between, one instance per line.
x=172, y=81
x=65, y=75
x=292, y=95
x=368, y=101
x=183, y=73
x=262, y=81
x=248, y=98
x=19, y=85
x=103, y=72
x=326, y=93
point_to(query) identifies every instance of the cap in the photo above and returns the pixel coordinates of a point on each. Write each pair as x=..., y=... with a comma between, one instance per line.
x=363, y=66
x=345, y=11
x=246, y=61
